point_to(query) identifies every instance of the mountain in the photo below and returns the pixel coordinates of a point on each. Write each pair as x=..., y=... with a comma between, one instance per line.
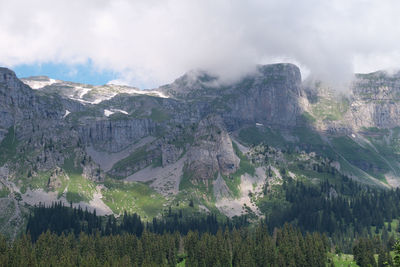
x=196, y=144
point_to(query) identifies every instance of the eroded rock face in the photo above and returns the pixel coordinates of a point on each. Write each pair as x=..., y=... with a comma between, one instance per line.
x=54, y=181
x=115, y=135
x=193, y=123
x=271, y=97
x=376, y=100
x=14, y=96
x=212, y=152
x=170, y=154
x=26, y=111
x=188, y=134
x=373, y=100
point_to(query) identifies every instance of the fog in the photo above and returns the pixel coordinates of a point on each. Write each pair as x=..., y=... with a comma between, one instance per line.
x=153, y=42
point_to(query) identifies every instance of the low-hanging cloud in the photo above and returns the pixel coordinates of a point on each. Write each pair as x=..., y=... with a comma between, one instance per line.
x=154, y=41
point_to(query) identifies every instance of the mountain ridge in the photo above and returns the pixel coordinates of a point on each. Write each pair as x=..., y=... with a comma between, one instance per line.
x=221, y=147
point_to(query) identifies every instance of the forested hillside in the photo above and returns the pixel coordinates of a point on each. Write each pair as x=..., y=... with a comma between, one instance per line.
x=82, y=238
x=129, y=244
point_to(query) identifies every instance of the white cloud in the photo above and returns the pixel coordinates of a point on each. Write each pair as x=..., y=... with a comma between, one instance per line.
x=154, y=41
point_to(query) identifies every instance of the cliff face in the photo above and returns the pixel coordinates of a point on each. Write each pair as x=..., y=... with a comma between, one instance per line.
x=63, y=137
x=195, y=138
x=194, y=120
x=212, y=151
x=22, y=108
x=15, y=98
x=376, y=100
x=116, y=135
x=373, y=100
x=361, y=126
x=270, y=98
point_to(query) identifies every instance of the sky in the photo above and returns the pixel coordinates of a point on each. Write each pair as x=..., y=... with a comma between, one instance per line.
x=152, y=42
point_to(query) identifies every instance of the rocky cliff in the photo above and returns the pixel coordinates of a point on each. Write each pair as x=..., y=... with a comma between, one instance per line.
x=220, y=145
x=376, y=99
x=269, y=96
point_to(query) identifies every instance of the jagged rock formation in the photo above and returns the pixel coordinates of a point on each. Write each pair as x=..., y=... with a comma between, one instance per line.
x=212, y=152
x=196, y=136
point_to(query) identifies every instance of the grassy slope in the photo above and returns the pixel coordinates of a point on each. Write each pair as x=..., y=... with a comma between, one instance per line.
x=342, y=260
x=132, y=197
x=158, y=115
x=4, y=191
x=350, y=154
x=347, y=259
x=387, y=142
x=40, y=181
x=79, y=188
x=255, y=135
x=234, y=180
x=196, y=190
x=357, y=155
x=330, y=108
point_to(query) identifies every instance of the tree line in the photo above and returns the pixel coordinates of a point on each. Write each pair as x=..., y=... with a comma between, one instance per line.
x=237, y=247
x=344, y=211
x=59, y=219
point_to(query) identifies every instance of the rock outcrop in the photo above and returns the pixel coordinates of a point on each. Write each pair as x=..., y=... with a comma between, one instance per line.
x=182, y=128
x=212, y=151
x=115, y=135
x=269, y=96
x=180, y=134
x=376, y=100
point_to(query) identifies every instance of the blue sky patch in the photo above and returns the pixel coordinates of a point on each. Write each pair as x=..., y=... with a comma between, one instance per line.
x=80, y=73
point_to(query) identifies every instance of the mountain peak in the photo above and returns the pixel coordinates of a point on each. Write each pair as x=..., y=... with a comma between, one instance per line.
x=198, y=82
x=6, y=74
x=287, y=69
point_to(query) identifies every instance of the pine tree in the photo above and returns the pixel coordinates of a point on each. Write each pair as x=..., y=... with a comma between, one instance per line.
x=396, y=259
x=382, y=258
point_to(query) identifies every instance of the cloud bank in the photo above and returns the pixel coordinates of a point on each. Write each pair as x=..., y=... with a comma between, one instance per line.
x=154, y=41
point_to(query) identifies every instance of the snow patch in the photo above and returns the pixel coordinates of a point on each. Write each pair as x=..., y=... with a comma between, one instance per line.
x=83, y=91
x=98, y=93
x=108, y=112
x=120, y=110
x=67, y=112
x=96, y=101
x=133, y=90
x=39, y=84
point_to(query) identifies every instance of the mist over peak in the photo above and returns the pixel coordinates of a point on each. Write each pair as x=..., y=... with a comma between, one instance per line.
x=153, y=42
